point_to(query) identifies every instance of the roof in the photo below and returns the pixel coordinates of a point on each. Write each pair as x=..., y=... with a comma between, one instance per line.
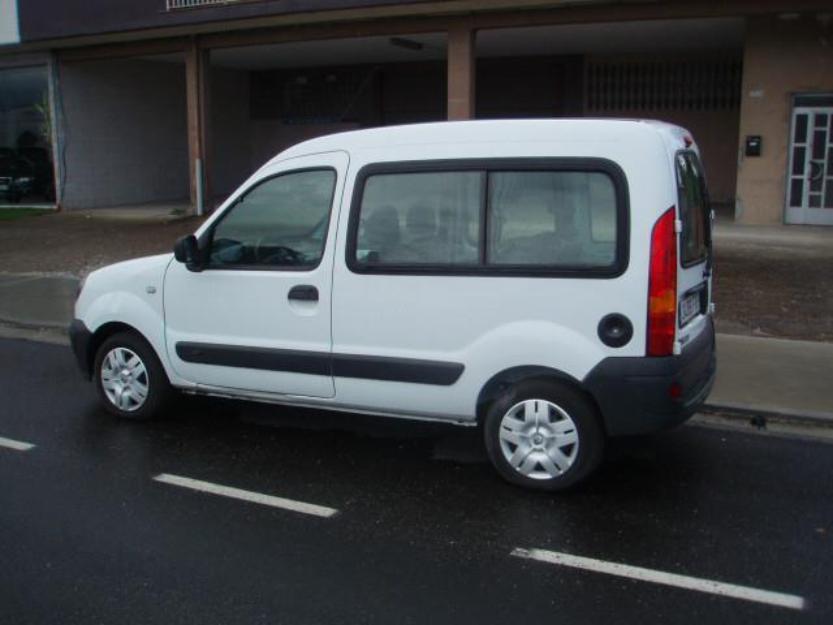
x=489, y=131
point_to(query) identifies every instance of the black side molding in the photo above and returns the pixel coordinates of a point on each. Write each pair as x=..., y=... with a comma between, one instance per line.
x=412, y=370
x=255, y=358
x=415, y=371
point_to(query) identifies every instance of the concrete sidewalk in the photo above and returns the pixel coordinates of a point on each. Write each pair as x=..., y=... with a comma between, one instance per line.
x=37, y=300
x=774, y=376
x=756, y=375
x=817, y=240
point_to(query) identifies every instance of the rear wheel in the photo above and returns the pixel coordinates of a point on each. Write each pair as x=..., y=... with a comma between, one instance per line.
x=130, y=379
x=544, y=435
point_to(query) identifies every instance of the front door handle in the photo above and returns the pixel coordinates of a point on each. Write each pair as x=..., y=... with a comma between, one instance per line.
x=303, y=293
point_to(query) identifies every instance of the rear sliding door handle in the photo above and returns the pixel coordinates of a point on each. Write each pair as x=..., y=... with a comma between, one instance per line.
x=303, y=293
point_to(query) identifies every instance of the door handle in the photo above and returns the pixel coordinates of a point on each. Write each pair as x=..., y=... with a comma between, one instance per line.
x=816, y=170
x=303, y=293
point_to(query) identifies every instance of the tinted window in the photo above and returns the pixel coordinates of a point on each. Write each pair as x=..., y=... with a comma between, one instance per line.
x=694, y=208
x=430, y=218
x=552, y=219
x=281, y=222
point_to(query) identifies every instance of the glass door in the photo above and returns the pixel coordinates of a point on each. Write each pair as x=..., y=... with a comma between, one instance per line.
x=810, y=174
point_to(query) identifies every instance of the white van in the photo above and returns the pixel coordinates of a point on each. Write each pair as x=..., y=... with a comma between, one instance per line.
x=546, y=280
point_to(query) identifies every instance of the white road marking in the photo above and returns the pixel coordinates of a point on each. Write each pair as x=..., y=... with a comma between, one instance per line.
x=745, y=593
x=246, y=495
x=16, y=445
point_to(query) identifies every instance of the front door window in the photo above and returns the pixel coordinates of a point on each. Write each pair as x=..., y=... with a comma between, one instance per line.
x=279, y=224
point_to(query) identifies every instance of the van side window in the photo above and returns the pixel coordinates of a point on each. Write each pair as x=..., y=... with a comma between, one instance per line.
x=694, y=208
x=551, y=219
x=491, y=216
x=280, y=223
x=421, y=218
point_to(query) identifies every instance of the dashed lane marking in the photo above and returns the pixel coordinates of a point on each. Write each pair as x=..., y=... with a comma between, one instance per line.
x=246, y=495
x=9, y=443
x=744, y=593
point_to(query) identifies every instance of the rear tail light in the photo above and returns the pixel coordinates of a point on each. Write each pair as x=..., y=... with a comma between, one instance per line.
x=662, y=286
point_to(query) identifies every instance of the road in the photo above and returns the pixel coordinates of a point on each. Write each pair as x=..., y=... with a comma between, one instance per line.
x=419, y=528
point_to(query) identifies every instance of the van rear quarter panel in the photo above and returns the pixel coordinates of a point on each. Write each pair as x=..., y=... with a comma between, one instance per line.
x=489, y=323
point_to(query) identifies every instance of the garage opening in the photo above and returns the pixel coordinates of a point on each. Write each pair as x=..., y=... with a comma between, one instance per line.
x=266, y=98
x=124, y=133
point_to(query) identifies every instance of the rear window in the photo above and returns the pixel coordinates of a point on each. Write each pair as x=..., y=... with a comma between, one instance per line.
x=694, y=209
x=490, y=217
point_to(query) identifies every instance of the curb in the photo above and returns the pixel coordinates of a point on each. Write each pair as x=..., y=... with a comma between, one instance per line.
x=778, y=415
x=41, y=335
x=41, y=325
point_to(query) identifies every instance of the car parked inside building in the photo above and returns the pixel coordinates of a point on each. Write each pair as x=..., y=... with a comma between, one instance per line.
x=546, y=280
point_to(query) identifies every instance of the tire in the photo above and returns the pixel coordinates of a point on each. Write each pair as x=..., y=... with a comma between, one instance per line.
x=126, y=389
x=543, y=435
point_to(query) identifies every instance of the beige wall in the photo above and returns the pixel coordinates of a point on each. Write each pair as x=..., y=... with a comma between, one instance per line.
x=782, y=58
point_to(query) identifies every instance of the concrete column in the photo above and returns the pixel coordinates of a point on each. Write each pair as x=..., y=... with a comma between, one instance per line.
x=461, y=65
x=197, y=87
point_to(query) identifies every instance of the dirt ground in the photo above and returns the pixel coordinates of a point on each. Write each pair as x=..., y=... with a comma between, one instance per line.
x=75, y=244
x=759, y=289
x=772, y=291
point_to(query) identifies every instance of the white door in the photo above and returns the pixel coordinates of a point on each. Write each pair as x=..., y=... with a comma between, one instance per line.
x=810, y=174
x=257, y=317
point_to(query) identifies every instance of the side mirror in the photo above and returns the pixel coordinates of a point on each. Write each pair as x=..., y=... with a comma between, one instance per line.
x=187, y=250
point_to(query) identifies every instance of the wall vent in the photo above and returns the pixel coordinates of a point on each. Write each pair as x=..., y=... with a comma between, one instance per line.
x=672, y=85
x=175, y=5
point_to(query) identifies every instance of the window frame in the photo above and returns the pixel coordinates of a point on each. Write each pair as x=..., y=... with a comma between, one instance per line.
x=487, y=166
x=704, y=192
x=207, y=238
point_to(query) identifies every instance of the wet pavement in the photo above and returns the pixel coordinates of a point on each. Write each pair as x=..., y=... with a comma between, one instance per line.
x=424, y=529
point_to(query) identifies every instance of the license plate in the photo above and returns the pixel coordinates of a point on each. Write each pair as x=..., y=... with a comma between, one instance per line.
x=689, y=308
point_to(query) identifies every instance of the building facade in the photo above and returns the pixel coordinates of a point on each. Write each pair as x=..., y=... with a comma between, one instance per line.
x=133, y=102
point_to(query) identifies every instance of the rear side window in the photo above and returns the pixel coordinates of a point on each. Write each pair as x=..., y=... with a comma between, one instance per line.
x=694, y=209
x=427, y=218
x=496, y=217
x=552, y=219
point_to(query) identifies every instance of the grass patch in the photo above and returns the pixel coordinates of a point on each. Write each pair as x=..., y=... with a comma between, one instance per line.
x=10, y=214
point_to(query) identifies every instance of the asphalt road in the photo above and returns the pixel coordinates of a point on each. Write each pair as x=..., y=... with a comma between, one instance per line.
x=424, y=530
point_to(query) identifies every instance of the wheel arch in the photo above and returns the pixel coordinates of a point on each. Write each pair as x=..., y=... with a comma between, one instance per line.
x=104, y=332
x=503, y=380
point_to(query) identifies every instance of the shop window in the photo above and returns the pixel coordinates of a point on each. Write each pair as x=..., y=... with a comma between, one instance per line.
x=26, y=168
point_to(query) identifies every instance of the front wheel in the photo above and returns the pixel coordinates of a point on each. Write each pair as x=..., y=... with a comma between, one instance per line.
x=130, y=379
x=543, y=435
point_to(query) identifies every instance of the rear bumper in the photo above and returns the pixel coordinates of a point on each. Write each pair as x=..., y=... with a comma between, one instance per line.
x=633, y=393
x=79, y=339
